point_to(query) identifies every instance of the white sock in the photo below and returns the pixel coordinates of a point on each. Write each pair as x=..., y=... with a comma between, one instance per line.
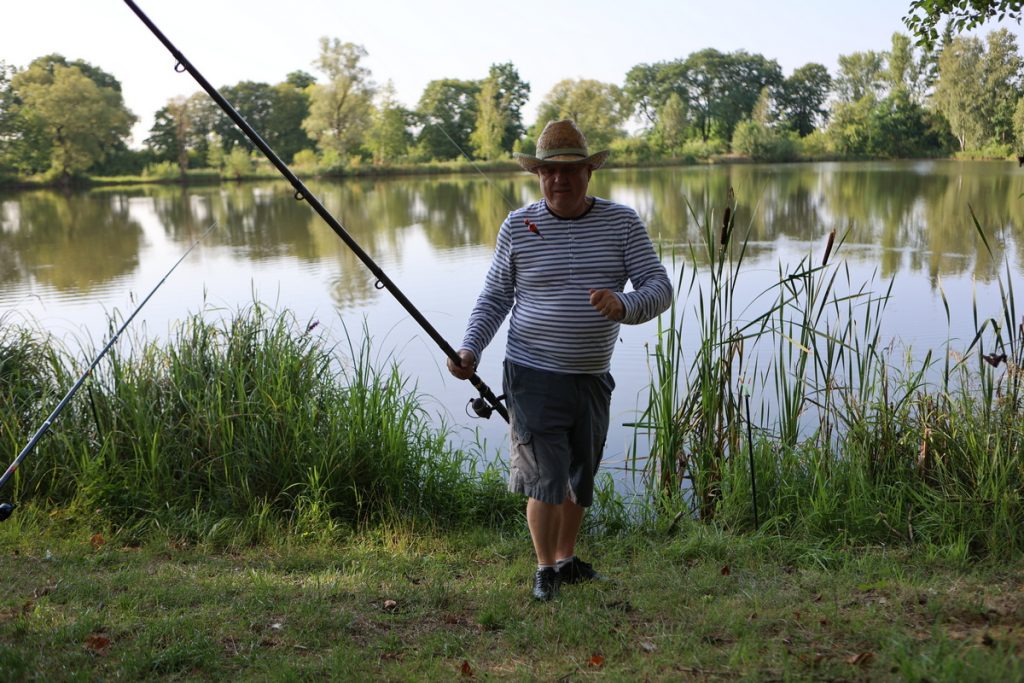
x=561, y=563
x=542, y=567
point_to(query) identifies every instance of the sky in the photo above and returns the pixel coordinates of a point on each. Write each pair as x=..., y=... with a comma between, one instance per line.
x=411, y=43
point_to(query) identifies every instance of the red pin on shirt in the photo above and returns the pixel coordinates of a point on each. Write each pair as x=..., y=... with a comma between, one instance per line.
x=532, y=227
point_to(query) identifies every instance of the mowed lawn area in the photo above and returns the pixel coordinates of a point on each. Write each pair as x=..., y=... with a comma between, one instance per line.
x=393, y=603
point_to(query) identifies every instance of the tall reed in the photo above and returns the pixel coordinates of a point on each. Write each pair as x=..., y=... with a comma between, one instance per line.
x=250, y=422
x=856, y=438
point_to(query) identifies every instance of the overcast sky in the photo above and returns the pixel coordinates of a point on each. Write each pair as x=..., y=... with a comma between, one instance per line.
x=414, y=42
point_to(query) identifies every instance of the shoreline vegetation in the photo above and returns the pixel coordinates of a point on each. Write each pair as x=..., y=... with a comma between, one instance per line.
x=251, y=499
x=243, y=423
x=953, y=97
x=262, y=170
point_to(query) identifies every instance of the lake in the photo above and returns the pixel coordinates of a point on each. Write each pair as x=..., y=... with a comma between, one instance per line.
x=67, y=262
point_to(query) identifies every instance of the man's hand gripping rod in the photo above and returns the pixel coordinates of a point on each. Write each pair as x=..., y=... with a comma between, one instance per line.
x=302, y=193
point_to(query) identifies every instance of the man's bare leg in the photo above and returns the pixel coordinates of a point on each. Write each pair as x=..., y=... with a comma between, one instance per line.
x=569, y=528
x=544, y=521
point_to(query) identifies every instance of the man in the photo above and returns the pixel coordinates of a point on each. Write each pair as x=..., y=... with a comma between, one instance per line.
x=560, y=266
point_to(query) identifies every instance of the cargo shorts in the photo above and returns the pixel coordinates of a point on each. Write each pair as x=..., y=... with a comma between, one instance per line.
x=558, y=428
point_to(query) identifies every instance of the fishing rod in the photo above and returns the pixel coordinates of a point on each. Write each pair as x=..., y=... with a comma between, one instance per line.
x=487, y=402
x=7, y=508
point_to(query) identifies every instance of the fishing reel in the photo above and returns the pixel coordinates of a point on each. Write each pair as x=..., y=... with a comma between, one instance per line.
x=482, y=408
x=5, y=511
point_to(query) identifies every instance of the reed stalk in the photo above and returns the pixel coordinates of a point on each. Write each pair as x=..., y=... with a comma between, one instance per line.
x=856, y=437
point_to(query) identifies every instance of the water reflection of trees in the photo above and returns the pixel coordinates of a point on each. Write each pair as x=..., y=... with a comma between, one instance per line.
x=72, y=242
x=910, y=216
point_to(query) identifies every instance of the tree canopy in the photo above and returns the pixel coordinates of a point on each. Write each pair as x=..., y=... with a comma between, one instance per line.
x=924, y=16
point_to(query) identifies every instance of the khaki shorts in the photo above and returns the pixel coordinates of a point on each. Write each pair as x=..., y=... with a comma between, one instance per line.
x=559, y=424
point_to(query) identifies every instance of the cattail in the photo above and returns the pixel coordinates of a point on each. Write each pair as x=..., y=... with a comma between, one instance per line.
x=828, y=247
x=725, y=226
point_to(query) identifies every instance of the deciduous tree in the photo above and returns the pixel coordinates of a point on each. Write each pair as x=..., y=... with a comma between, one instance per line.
x=389, y=138
x=341, y=108
x=598, y=108
x=802, y=97
x=860, y=74
x=512, y=94
x=959, y=92
x=447, y=112
x=491, y=122
x=80, y=108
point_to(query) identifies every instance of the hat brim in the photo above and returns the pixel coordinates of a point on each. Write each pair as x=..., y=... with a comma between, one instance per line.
x=532, y=164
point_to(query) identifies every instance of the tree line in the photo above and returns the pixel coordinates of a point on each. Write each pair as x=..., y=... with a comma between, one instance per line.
x=60, y=119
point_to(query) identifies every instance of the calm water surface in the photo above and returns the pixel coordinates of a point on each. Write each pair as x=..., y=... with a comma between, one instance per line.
x=69, y=261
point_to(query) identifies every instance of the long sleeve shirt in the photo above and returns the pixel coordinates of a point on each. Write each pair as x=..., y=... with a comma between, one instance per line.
x=544, y=276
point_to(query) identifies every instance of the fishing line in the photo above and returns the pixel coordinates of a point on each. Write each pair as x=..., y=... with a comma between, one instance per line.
x=479, y=170
x=487, y=397
x=7, y=508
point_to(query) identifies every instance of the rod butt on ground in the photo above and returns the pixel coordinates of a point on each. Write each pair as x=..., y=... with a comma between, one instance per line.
x=5, y=511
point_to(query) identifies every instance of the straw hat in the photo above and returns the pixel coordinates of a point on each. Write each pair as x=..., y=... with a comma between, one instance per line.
x=561, y=142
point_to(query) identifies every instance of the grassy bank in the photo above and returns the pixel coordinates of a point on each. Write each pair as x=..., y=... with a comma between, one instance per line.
x=412, y=603
x=233, y=426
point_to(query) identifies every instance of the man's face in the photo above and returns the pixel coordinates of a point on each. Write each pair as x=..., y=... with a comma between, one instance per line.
x=565, y=188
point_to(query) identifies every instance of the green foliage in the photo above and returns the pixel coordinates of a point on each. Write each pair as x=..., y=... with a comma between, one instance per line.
x=230, y=423
x=723, y=88
x=848, y=131
x=672, y=124
x=491, y=123
x=305, y=160
x=924, y=16
x=959, y=93
x=238, y=163
x=856, y=443
x=814, y=146
x=598, y=108
x=632, y=150
x=991, y=150
x=861, y=74
x=162, y=170
x=761, y=143
x=388, y=138
x=898, y=127
x=448, y=112
x=703, y=149
x=341, y=109
x=512, y=95
x=77, y=106
x=802, y=98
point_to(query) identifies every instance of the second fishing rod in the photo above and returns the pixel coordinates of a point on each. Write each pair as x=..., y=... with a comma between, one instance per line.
x=487, y=397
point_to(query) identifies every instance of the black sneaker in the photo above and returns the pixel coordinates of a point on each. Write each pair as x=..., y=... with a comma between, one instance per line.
x=578, y=571
x=545, y=584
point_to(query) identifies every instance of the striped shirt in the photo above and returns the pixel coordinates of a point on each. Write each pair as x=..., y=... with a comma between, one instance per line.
x=544, y=278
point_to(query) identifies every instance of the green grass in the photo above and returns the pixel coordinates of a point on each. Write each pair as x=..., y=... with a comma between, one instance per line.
x=233, y=426
x=82, y=604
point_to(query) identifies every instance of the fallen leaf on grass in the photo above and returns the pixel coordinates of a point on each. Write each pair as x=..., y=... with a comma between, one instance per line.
x=725, y=570
x=466, y=669
x=861, y=659
x=97, y=541
x=647, y=646
x=390, y=605
x=97, y=644
x=597, y=660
